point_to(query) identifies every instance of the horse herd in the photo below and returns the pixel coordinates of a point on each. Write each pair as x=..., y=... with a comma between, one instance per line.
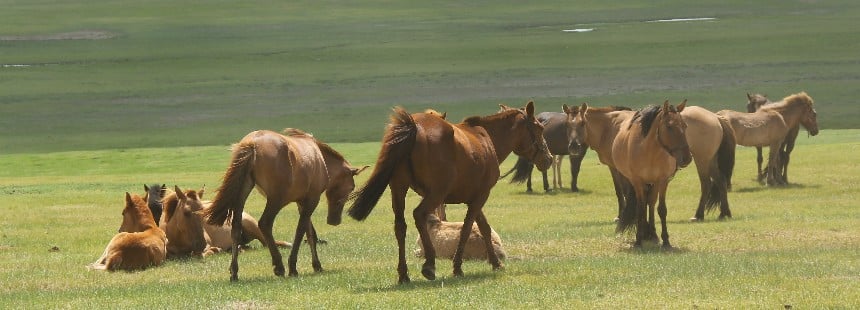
x=448, y=163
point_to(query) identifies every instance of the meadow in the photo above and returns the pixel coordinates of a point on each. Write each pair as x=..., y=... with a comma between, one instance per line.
x=99, y=97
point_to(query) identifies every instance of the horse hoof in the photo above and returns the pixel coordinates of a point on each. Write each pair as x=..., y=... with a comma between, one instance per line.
x=667, y=246
x=234, y=278
x=429, y=273
x=279, y=271
x=458, y=272
x=403, y=280
x=575, y=189
x=293, y=274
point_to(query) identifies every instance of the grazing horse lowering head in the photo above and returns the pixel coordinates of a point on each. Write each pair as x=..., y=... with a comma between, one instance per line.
x=341, y=185
x=530, y=143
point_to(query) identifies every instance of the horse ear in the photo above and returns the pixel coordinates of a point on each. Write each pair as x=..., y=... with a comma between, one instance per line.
x=665, y=106
x=356, y=171
x=566, y=109
x=583, y=107
x=128, y=201
x=200, y=193
x=179, y=192
x=504, y=107
x=749, y=97
x=530, y=108
x=145, y=188
x=681, y=106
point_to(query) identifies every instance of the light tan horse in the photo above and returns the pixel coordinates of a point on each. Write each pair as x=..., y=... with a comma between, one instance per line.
x=648, y=150
x=447, y=163
x=140, y=243
x=754, y=103
x=770, y=125
x=293, y=167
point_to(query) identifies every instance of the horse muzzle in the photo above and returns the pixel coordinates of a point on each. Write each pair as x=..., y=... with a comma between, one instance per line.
x=575, y=149
x=333, y=219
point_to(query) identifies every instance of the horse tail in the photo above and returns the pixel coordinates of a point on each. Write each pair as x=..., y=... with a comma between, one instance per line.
x=230, y=197
x=522, y=170
x=726, y=153
x=627, y=220
x=396, y=146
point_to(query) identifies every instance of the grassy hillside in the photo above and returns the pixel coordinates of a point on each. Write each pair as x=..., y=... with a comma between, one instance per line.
x=126, y=74
x=792, y=246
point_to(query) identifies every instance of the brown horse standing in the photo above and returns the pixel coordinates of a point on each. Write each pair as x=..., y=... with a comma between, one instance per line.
x=770, y=125
x=649, y=149
x=447, y=163
x=754, y=103
x=712, y=144
x=139, y=244
x=294, y=167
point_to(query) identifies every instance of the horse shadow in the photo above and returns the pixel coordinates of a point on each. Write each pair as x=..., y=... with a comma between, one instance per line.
x=789, y=186
x=555, y=192
x=422, y=284
x=652, y=248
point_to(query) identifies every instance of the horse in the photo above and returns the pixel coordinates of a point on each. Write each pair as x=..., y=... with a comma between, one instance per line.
x=770, y=125
x=184, y=229
x=649, y=148
x=289, y=167
x=217, y=238
x=153, y=196
x=557, y=140
x=754, y=103
x=712, y=144
x=447, y=163
x=139, y=243
x=596, y=128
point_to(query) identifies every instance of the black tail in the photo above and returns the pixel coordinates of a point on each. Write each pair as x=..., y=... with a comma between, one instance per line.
x=396, y=147
x=523, y=170
x=627, y=220
x=238, y=182
x=726, y=153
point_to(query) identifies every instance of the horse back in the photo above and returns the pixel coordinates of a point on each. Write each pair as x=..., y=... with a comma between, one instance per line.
x=555, y=132
x=130, y=251
x=289, y=167
x=704, y=132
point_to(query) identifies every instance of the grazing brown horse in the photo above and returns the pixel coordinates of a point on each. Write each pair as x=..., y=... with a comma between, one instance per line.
x=770, y=125
x=293, y=167
x=754, y=103
x=649, y=149
x=447, y=163
x=153, y=196
x=138, y=245
x=596, y=128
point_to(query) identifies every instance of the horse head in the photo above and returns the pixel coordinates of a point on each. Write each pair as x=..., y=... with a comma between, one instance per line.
x=755, y=101
x=576, y=132
x=154, y=195
x=671, y=133
x=809, y=117
x=341, y=182
x=185, y=228
x=136, y=216
x=530, y=142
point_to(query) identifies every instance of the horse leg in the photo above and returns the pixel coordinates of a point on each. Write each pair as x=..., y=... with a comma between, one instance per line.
x=651, y=193
x=620, y=191
x=641, y=222
x=267, y=220
x=661, y=209
x=556, y=177
x=305, y=228
x=705, y=187
x=575, y=165
x=529, y=179
x=788, y=146
x=487, y=233
x=427, y=205
x=759, y=160
x=398, y=206
x=774, y=167
x=471, y=213
x=545, y=181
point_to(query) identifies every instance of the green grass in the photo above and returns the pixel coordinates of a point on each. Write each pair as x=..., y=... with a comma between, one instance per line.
x=180, y=73
x=785, y=246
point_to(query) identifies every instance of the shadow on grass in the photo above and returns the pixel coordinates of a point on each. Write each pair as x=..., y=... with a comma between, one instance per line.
x=419, y=283
x=650, y=248
x=765, y=187
x=555, y=192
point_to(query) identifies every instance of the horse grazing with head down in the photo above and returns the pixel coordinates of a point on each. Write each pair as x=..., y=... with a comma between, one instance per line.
x=138, y=245
x=447, y=163
x=289, y=167
x=649, y=149
x=754, y=103
x=770, y=125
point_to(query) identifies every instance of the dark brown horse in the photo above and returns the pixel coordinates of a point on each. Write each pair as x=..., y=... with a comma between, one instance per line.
x=754, y=103
x=293, y=167
x=153, y=196
x=447, y=163
x=649, y=149
x=557, y=140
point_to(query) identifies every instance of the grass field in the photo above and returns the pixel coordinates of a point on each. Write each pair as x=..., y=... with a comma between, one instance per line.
x=99, y=97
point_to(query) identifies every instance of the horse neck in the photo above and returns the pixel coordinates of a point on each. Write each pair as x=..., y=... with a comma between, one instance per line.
x=602, y=128
x=790, y=111
x=334, y=163
x=498, y=127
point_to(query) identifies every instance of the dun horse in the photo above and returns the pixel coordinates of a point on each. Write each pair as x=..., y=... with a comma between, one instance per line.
x=649, y=149
x=293, y=167
x=754, y=103
x=770, y=125
x=138, y=245
x=447, y=163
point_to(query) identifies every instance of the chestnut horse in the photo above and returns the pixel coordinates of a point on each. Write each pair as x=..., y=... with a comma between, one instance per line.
x=138, y=245
x=754, y=103
x=183, y=227
x=289, y=167
x=447, y=163
x=770, y=126
x=650, y=147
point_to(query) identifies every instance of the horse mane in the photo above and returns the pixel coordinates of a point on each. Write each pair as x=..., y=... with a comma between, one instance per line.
x=169, y=203
x=646, y=117
x=292, y=132
x=618, y=108
x=325, y=148
x=478, y=120
x=798, y=98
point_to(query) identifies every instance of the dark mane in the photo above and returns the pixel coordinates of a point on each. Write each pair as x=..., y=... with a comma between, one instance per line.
x=646, y=117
